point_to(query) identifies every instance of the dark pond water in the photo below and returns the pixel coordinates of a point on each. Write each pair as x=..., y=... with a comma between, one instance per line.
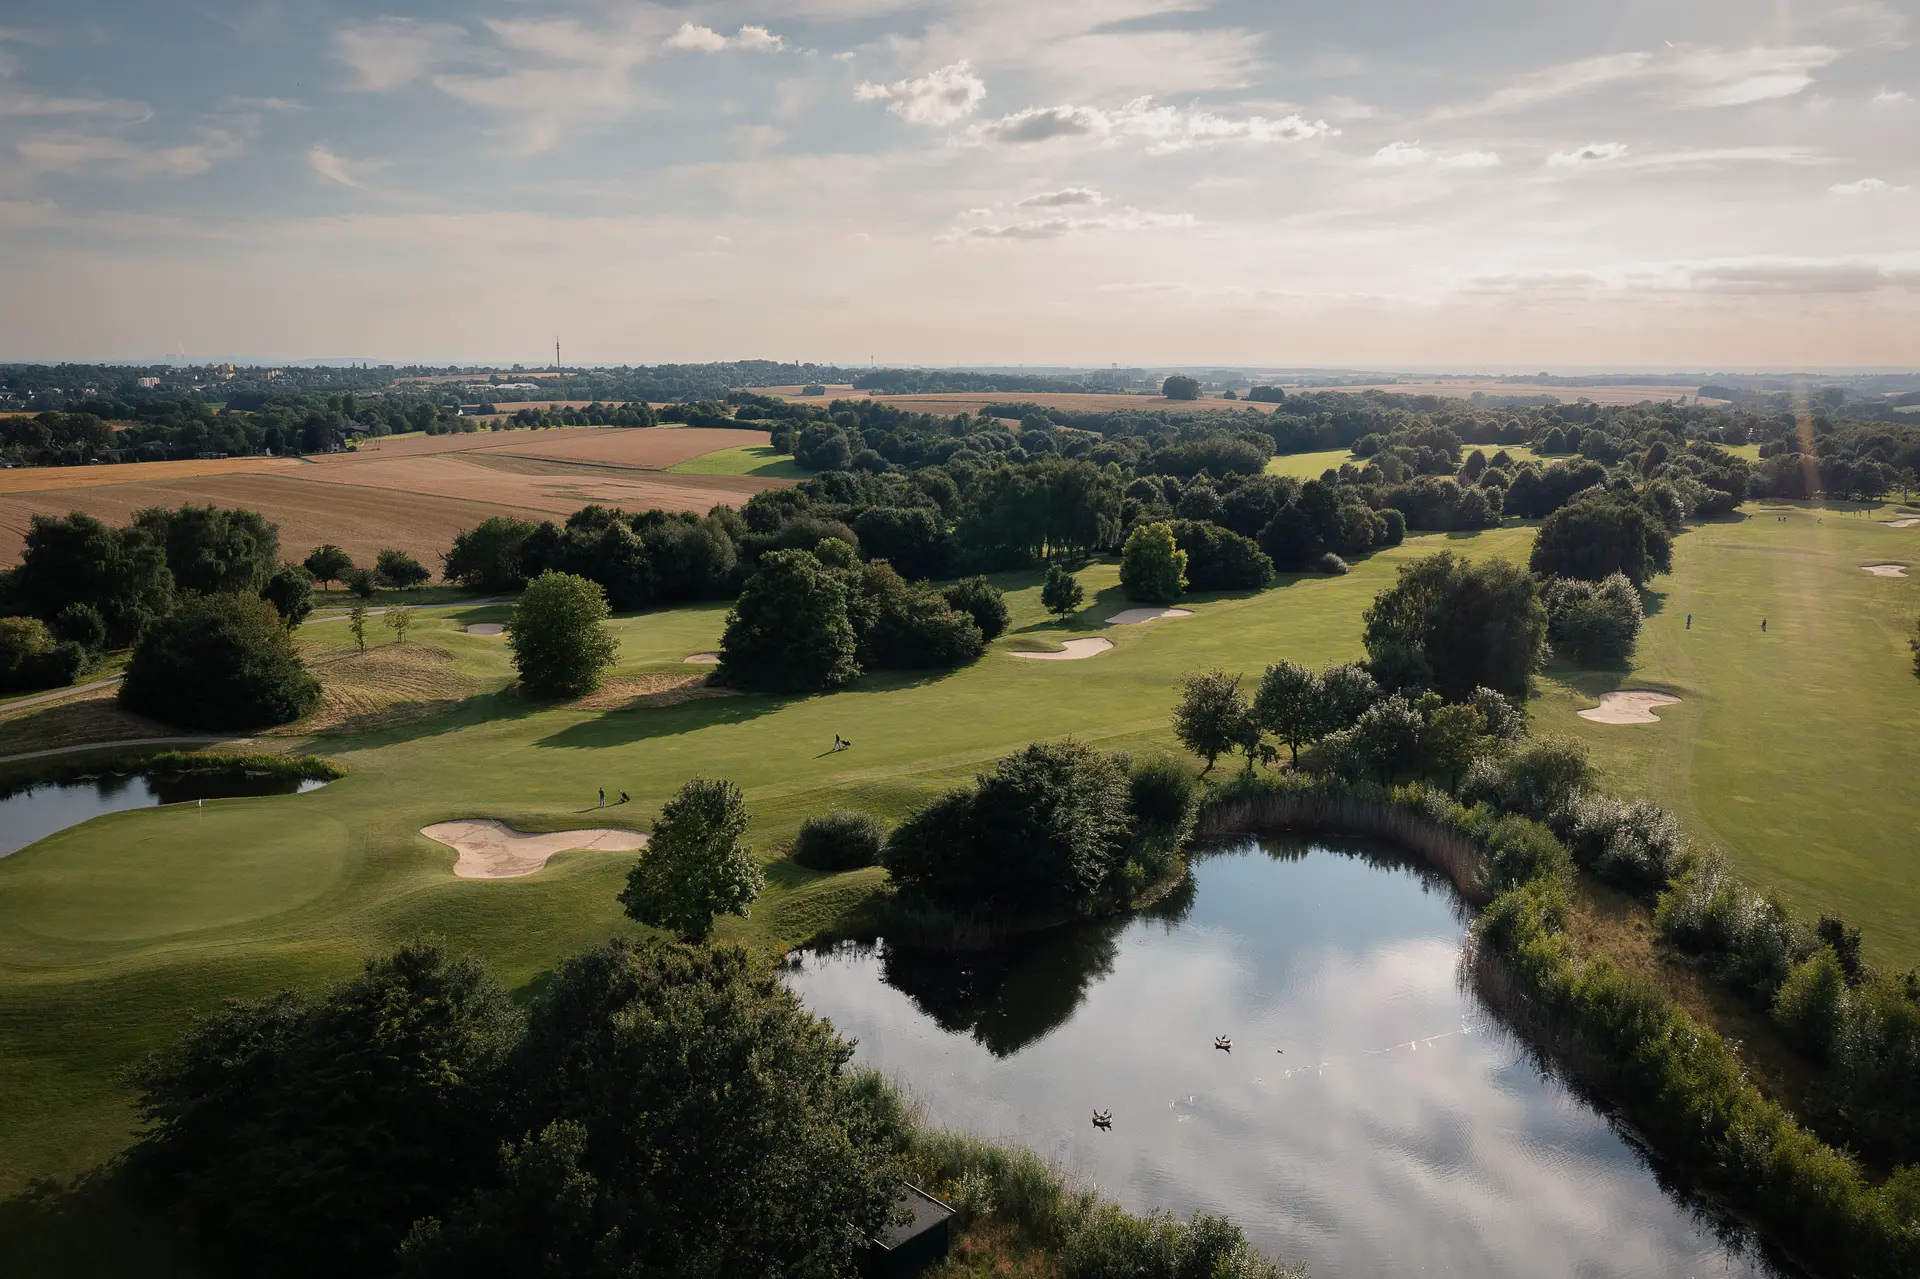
x=33, y=813
x=1370, y=1119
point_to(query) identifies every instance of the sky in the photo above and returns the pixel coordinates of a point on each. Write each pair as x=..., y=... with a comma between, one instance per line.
x=1482, y=184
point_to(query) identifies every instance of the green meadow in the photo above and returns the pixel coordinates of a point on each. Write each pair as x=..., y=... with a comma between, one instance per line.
x=1311, y=466
x=1787, y=751
x=749, y=459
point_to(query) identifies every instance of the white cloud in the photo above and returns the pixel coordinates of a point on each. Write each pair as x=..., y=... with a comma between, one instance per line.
x=1410, y=154
x=1553, y=83
x=324, y=161
x=1054, y=228
x=698, y=39
x=1758, y=276
x=1740, y=77
x=389, y=53
x=1070, y=196
x=1592, y=153
x=1399, y=154
x=1892, y=98
x=1164, y=128
x=1865, y=186
x=940, y=97
x=220, y=138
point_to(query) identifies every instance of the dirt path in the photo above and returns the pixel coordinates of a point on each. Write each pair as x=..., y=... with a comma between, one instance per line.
x=128, y=741
x=71, y=690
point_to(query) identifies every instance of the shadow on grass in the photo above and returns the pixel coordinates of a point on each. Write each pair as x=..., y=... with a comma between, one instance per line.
x=485, y=708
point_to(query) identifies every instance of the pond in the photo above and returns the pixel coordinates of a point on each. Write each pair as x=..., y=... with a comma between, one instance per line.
x=1370, y=1118
x=34, y=812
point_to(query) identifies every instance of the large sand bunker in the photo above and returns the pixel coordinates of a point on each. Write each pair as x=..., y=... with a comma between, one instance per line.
x=1908, y=522
x=1133, y=616
x=1072, y=650
x=701, y=659
x=1631, y=707
x=487, y=628
x=1885, y=570
x=494, y=850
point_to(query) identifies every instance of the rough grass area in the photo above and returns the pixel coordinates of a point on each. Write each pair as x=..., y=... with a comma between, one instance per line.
x=749, y=459
x=76, y=721
x=1788, y=750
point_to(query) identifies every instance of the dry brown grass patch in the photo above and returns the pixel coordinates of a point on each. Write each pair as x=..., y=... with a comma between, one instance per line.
x=77, y=721
x=643, y=691
x=385, y=687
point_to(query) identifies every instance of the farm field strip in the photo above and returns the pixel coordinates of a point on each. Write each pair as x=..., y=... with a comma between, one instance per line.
x=1466, y=389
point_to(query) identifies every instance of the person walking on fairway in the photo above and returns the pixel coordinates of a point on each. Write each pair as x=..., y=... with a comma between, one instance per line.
x=1689, y=621
x=603, y=797
x=1763, y=626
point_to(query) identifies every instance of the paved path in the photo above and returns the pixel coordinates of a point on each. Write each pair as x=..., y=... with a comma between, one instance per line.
x=72, y=690
x=374, y=610
x=129, y=741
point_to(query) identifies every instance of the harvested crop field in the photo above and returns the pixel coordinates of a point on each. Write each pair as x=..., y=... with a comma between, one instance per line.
x=1466, y=388
x=970, y=402
x=410, y=492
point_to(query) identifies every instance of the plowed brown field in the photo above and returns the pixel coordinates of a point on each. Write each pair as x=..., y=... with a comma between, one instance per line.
x=413, y=493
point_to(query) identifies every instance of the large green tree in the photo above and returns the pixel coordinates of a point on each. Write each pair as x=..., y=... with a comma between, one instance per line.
x=1288, y=704
x=210, y=549
x=1152, y=567
x=487, y=555
x=1211, y=717
x=219, y=662
x=1453, y=626
x=559, y=645
x=789, y=631
x=120, y=572
x=1599, y=535
x=696, y=864
x=328, y=564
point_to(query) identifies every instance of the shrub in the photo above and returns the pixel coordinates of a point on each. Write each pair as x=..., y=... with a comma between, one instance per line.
x=1163, y=794
x=559, y=646
x=221, y=663
x=1153, y=570
x=1634, y=845
x=1593, y=623
x=1330, y=564
x=30, y=657
x=905, y=626
x=1754, y=942
x=839, y=840
x=1540, y=780
x=983, y=602
x=695, y=865
x=290, y=591
x=399, y=569
x=1811, y=1003
x=81, y=624
x=1520, y=851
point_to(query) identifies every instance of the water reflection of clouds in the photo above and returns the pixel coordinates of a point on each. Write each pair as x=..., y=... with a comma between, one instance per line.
x=1421, y=1144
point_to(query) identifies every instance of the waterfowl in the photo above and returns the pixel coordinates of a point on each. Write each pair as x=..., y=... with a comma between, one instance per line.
x=1223, y=1043
x=1103, y=1119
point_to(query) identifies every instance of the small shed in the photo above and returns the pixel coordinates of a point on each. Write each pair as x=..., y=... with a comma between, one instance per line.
x=903, y=1250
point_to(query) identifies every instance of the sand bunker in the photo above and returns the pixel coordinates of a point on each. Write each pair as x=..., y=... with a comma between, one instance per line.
x=1071, y=651
x=494, y=850
x=1632, y=707
x=1908, y=522
x=487, y=628
x=1135, y=615
x=702, y=659
x=1885, y=570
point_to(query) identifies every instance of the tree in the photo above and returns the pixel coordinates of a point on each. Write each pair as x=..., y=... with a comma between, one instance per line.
x=1218, y=559
x=487, y=556
x=680, y=1112
x=357, y=623
x=1452, y=626
x=1593, y=623
x=219, y=662
x=559, y=646
x=839, y=840
x=1152, y=568
x=302, y=1137
x=290, y=591
x=1062, y=592
x=1211, y=716
x=398, y=619
x=328, y=564
x=789, y=631
x=1045, y=831
x=983, y=602
x=1180, y=388
x=210, y=549
x=1600, y=535
x=31, y=658
x=1346, y=691
x=1450, y=739
x=122, y=573
x=1289, y=704
x=695, y=865
x=399, y=569
x=360, y=582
